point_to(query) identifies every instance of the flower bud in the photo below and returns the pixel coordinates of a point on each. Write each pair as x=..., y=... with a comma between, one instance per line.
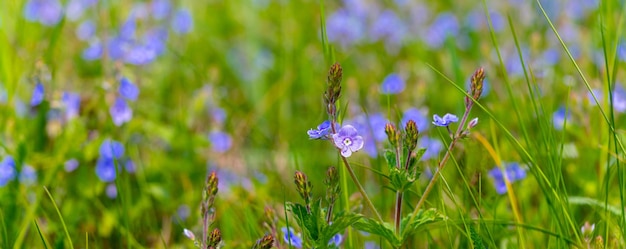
x=476, y=86
x=303, y=186
x=472, y=123
x=214, y=238
x=392, y=134
x=265, y=243
x=410, y=139
x=332, y=184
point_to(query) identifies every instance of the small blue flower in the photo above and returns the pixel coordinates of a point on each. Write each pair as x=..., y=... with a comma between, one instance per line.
x=220, y=141
x=71, y=165
x=93, y=52
x=160, y=9
x=128, y=90
x=416, y=115
x=38, y=95
x=444, y=26
x=120, y=112
x=86, y=30
x=445, y=121
x=392, y=84
x=291, y=238
x=560, y=118
x=46, y=12
x=619, y=99
x=321, y=132
x=111, y=149
x=7, y=170
x=105, y=169
x=348, y=140
x=345, y=27
x=336, y=240
x=28, y=175
x=182, y=23
x=71, y=102
x=129, y=165
x=76, y=8
x=514, y=172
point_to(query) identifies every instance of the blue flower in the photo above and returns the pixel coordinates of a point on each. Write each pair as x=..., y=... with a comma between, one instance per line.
x=321, y=132
x=345, y=27
x=514, y=172
x=291, y=238
x=28, y=175
x=38, y=95
x=71, y=102
x=76, y=8
x=182, y=23
x=120, y=112
x=93, y=52
x=160, y=9
x=393, y=37
x=128, y=90
x=86, y=30
x=105, y=169
x=46, y=12
x=392, y=84
x=619, y=99
x=416, y=115
x=559, y=118
x=220, y=141
x=111, y=149
x=336, y=240
x=71, y=165
x=348, y=140
x=445, y=121
x=7, y=170
x=446, y=24
x=433, y=147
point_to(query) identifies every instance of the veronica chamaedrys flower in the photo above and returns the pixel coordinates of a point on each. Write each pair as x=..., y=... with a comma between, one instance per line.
x=76, y=8
x=348, y=140
x=28, y=175
x=46, y=12
x=433, y=147
x=321, y=132
x=445, y=121
x=291, y=238
x=71, y=103
x=71, y=165
x=392, y=84
x=182, y=22
x=128, y=90
x=560, y=118
x=120, y=112
x=514, y=172
x=105, y=169
x=111, y=149
x=7, y=170
x=38, y=95
x=392, y=38
x=220, y=141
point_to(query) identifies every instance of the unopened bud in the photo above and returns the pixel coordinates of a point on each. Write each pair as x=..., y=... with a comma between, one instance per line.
x=189, y=234
x=472, y=123
x=476, y=86
x=410, y=139
x=332, y=184
x=333, y=90
x=587, y=230
x=214, y=238
x=265, y=243
x=392, y=134
x=303, y=186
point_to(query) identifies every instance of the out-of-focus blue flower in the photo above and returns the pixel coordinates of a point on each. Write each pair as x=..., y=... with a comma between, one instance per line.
x=93, y=52
x=120, y=112
x=514, y=172
x=445, y=121
x=129, y=165
x=476, y=20
x=363, y=124
x=371, y=245
x=377, y=122
x=393, y=37
x=446, y=24
x=128, y=90
x=291, y=238
x=71, y=103
x=218, y=114
x=111, y=149
x=321, y=132
x=71, y=165
x=76, y=8
x=111, y=191
x=182, y=22
x=7, y=170
x=128, y=28
x=105, y=169
x=348, y=140
x=160, y=9
x=86, y=30
x=183, y=212
x=619, y=99
x=392, y=84
x=578, y=9
x=514, y=65
x=433, y=147
x=417, y=116
x=28, y=175
x=46, y=12
x=559, y=118
x=345, y=27
x=38, y=95
x=220, y=141
x=155, y=39
x=140, y=55
x=336, y=240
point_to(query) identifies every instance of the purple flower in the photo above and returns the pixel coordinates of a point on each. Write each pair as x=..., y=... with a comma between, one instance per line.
x=111, y=191
x=129, y=165
x=105, y=169
x=218, y=115
x=46, y=12
x=348, y=140
x=559, y=118
x=416, y=115
x=291, y=238
x=93, y=52
x=371, y=245
x=220, y=141
x=120, y=112
x=182, y=22
x=392, y=84
x=7, y=170
x=71, y=102
x=393, y=37
x=183, y=212
x=71, y=165
x=321, y=132
x=445, y=121
x=86, y=30
x=28, y=175
x=446, y=24
x=336, y=240
x=377, y=122
x=345, y=27
x=38, y=95
x=128, y=90
x=111, y=149
x=514, y=172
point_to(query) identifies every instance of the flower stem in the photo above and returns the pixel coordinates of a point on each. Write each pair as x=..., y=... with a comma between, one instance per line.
x=358, y=185
x=398, y=209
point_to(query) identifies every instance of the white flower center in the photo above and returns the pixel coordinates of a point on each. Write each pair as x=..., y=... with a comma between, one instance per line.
x=347, y=142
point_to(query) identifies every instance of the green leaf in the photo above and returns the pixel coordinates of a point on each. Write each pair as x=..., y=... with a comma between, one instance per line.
x=476, y=240
x=384, y=230
x=400, y=179
x=390, y=158
x=422, y=218
x=340, y=224
x=311, y=223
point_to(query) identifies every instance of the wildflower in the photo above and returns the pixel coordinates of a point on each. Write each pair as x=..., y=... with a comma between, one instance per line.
x=129, y=165
x=93, y=52
x=189, y=234
x=160, y=9
x=472, y=123
x=336, y=240
x=514, y=172
x=619, y=99
x=560, y=118
x=220, y=141
x=183, y=212
x=182, y=23
x=128, y=90
x=348, y=140
x=291, y=238
x=71, y=165
x=105, y=169
x=416, y=115
x=392, y=84
x=394, y=37
x=120, y=112
x=7, y=170
x=446, y=24
x=346, y=28
x=321, y=132
x=76, y=8
x=86, y=30
x=371, y=245
x=111, y=149
x=111, y=191
x=28, y=175
x=445, y=121
x=38, y=95
x=46, y=12
x=71, y=102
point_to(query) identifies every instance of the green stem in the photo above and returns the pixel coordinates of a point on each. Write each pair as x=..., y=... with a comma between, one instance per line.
x=361, y=189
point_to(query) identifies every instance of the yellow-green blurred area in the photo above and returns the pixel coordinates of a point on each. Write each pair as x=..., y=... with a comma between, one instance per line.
x=113, y=113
